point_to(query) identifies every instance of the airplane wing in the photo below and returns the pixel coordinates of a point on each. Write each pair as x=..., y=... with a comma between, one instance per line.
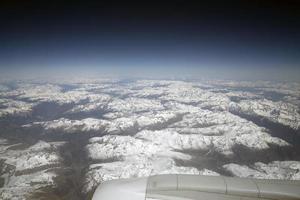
x=197, y=187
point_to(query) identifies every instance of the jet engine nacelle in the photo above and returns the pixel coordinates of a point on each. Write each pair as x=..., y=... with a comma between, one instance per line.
x=197, y=187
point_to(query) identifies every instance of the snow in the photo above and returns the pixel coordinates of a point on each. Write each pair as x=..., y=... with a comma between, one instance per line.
x=136, y=166
x=22, y=186
x=117, y=147
x=222, y=144
x=187, y=93
x=48, y=93
x=127, y=156
x=153, y=152
x=95, y=102
x=120, y=125
x=143, y=127
x=133, y=105
x=15, y=108
x=224, y=130
x=41, y=154
x=71, y=126
x=279, y=112
x=27, y=170
x=289, y=170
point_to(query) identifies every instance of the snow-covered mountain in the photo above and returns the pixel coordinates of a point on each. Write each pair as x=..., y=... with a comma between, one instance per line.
x=82, y=132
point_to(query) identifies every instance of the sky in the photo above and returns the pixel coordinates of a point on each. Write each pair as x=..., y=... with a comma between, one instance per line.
x=218, y=39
